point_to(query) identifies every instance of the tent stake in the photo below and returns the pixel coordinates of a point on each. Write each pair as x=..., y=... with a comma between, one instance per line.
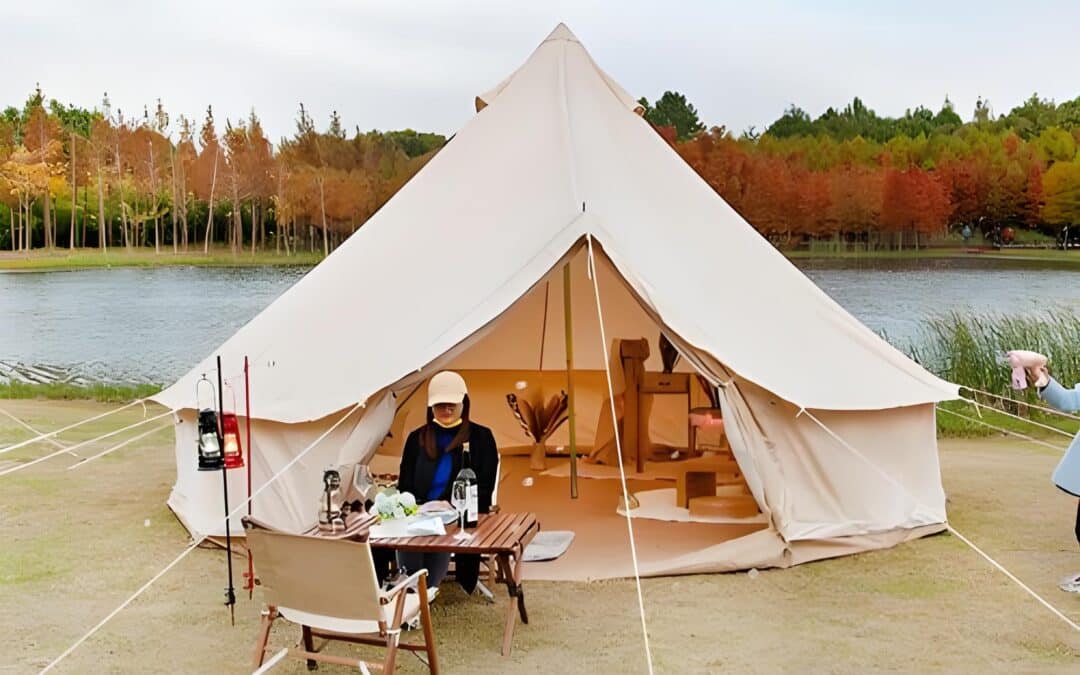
x=230, y=594
x=569, y=323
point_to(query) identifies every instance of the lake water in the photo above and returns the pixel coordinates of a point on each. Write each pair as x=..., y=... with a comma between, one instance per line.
x=151, y=325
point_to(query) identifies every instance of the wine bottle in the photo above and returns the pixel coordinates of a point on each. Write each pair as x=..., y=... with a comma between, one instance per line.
x=472, y=489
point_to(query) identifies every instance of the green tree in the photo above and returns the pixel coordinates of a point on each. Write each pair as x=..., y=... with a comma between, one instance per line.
x=673, y=110
x=794, y=122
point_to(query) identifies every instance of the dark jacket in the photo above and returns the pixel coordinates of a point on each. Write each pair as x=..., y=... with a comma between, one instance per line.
x=418, y=471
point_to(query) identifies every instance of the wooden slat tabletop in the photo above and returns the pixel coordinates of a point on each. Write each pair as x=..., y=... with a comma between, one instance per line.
x=495, y=533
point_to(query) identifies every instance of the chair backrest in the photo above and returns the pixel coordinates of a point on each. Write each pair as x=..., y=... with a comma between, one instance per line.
x=331, y=577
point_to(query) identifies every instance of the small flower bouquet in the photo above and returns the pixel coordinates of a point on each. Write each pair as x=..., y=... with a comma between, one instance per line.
x=391, y=505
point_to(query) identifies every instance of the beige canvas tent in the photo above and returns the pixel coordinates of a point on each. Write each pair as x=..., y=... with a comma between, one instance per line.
x=833, y=429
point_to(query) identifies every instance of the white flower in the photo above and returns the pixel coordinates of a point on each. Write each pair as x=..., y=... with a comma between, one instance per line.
x=407, y=500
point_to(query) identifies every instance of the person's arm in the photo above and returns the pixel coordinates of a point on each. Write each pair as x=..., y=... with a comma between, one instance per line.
x=488, y=468
x=407, y=470
x=1067, y=400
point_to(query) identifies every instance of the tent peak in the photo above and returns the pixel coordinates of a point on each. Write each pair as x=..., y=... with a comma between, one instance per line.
x=562, y=32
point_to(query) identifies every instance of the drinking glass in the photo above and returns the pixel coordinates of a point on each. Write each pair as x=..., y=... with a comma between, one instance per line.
x=459, y=497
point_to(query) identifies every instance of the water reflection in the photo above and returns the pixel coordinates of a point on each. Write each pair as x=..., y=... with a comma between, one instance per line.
x=133, y=325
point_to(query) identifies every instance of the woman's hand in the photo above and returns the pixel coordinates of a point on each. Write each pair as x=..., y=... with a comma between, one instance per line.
x=1034, y=365
x=1039, y=376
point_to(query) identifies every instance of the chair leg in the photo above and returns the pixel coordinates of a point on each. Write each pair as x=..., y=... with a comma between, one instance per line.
x=392, y=638
x=429, y=632
x=485, y=591
x=309, y=645
x=268, y=616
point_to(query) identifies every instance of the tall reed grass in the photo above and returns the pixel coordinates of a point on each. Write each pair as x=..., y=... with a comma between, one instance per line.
x=969, y=350
x=106, y=393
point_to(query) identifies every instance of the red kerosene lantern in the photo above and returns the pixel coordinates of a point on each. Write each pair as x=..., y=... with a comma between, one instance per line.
x=232, y=450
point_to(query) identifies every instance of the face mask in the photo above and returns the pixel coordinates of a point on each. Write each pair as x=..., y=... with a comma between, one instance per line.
x=451, y=425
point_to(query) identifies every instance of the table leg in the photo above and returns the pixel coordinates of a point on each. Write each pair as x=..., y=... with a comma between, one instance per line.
x=511, y=570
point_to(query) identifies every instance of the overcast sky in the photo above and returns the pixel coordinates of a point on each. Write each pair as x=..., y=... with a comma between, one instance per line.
x=395, y=64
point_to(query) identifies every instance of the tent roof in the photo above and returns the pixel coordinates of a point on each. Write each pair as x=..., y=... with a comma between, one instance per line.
x=556, y=155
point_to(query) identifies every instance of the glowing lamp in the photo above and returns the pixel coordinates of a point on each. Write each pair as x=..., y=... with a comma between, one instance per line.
x=233, y=452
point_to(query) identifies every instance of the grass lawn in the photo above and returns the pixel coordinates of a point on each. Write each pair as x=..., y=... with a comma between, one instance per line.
x=77, y=543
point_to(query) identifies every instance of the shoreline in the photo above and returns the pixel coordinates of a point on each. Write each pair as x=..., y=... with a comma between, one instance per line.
x=61, y=260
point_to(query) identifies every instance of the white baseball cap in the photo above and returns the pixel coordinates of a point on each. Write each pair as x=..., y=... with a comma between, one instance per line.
x=446, y=387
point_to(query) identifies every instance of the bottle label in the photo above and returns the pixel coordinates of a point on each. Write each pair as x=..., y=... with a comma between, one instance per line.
x=472, y=508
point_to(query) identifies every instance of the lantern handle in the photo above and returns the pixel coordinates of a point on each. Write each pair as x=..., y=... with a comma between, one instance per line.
x=213, y=391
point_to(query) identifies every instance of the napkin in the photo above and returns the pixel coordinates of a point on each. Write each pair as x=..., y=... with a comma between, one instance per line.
x=426, y=526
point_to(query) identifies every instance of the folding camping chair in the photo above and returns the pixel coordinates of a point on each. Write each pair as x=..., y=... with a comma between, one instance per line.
x=329, y=587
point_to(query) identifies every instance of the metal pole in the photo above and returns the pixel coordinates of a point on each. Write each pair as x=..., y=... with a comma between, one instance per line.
x=569, y=324
x=230, y=594
x=249, y=584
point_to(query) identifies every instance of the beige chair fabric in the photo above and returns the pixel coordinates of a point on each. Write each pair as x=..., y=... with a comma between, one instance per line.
x=330, y=588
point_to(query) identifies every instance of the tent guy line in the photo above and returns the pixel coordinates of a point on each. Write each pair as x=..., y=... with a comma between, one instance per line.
x=1030, y=439
x=978, y=405
x=31, y=429
x=41, y=437
x=1060, y=413
x=63, y=451
x=884, y=474
x=952, y=529
x=199, y=540
x=622, y=464
x=1021, y=584
x=118, y=446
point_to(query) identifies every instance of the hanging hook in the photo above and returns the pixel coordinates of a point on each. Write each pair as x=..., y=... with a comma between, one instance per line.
x=213, y=391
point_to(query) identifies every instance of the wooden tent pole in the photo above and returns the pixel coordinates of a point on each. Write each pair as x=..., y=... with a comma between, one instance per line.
x=569, y=325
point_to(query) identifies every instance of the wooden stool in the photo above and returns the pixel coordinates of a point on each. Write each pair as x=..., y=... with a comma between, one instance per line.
x=740, y=506
x=699, y=477
x=694, y=483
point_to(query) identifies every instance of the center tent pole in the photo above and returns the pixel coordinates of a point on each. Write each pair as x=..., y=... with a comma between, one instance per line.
x=569, y=325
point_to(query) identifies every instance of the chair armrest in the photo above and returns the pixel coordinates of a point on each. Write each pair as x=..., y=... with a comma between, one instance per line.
x=388, y=595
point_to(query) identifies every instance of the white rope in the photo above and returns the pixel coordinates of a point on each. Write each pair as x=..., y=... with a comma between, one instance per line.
x=622, y=470
x=960, y=536
x=1003, y=430
x=1018, y=417
x=850, y=448
x=31, y=429
x=26, y=465
x=85, y=461
x=272, y=661
x=1019, y=402
x=41, y=437
x=1072, y=624
x=196, y=543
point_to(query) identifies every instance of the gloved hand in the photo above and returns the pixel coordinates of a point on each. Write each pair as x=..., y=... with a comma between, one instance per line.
x=1029, y=364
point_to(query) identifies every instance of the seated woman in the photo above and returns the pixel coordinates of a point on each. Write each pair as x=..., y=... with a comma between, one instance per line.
x=431, y=460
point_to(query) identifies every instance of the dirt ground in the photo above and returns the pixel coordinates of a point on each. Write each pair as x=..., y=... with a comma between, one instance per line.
x=75, y=544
